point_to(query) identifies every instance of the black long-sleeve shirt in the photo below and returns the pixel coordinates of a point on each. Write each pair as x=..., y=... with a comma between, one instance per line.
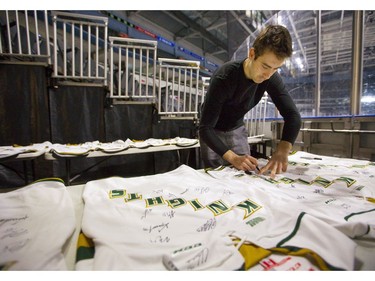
x=231, y=95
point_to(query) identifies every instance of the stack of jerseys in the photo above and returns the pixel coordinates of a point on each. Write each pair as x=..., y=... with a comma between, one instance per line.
x=162, y=142
x=83, y=149
x=7, y=152
x=35, y=223
x=224, y=219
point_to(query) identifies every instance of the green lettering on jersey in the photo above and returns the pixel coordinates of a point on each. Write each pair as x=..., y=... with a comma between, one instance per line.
x=117, y=193
x=150, y=202
x=323, y=182
x=349, y=181
x=250, y=207
x=270, y=180
x=286, y=180
x=196, y=204
x=255, y=221
x=133, y=196
x=305, y=181
x=176, y=202
x=218, y=207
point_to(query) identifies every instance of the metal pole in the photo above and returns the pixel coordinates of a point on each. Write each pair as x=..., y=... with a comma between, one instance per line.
x=318, y=56
x=357, y=59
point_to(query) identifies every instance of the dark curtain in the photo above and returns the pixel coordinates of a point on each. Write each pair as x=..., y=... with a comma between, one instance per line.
x=24, y=115
x=24, y=119
x=129, y=121
x=171, y=128
x=77, y=116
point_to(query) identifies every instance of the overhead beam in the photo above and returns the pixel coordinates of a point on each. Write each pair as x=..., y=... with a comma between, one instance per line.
x=195, y=26
x=244, y=25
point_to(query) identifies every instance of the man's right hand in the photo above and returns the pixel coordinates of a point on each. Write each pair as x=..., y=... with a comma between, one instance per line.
x=241, y=162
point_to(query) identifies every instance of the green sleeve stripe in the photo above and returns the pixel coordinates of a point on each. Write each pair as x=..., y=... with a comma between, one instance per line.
x=293, y=232
x=359, y=213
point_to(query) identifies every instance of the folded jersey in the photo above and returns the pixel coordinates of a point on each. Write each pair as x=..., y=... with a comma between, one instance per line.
x=69, y=149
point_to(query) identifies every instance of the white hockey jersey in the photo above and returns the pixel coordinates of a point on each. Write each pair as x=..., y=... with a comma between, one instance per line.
x=35, y=222
x=188, y=220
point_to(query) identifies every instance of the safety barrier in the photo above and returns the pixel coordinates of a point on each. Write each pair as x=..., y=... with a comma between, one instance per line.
x=180, y=95
x=133, y=69
x=25, y=36
x=79, y=56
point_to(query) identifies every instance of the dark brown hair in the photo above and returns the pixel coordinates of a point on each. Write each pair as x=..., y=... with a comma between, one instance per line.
x=274, y=38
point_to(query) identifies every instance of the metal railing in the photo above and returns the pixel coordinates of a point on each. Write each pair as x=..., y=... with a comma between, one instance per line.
x=25, y=35
x=82, y=53
x=179, y=93
x=133, y=69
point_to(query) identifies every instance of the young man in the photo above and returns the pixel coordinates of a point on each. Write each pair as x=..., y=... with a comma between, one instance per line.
x=235, y=88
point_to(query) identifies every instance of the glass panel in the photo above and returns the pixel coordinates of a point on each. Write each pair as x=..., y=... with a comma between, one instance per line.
x=336, y=62
x=299, y=73
x=368, y=85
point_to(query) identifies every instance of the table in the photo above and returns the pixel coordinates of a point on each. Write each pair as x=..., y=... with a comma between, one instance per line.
x=132, y=150
x=24, y=157
x=100, y=154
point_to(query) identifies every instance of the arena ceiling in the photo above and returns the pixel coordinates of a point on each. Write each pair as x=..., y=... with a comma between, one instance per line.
x=218, y=34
